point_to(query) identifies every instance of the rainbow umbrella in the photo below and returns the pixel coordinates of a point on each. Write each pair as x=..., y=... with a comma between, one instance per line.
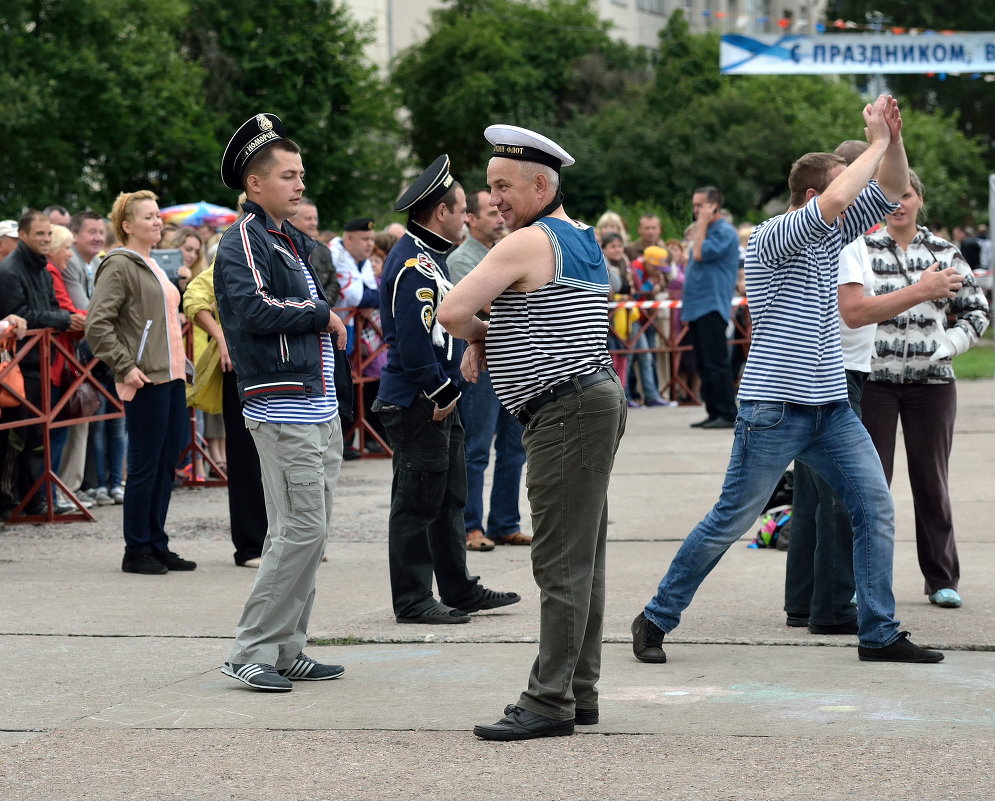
x=201, y=213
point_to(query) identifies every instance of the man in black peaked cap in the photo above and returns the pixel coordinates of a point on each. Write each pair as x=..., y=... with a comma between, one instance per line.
x=281, y=335
x=419, y=388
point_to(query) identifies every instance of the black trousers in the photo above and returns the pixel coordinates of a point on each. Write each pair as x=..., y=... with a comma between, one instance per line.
x=818, y=578
x=426, y=533
x=246, y=503
x=711, y=354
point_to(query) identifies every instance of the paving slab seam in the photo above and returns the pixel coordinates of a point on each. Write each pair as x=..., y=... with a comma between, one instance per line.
x=349, y=640
x=97, y=636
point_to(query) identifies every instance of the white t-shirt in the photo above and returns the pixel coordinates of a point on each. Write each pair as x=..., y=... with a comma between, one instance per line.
x=858, y=343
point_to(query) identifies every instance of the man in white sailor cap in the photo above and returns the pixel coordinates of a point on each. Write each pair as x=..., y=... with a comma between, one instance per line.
x=545, y=348
x=416, y=401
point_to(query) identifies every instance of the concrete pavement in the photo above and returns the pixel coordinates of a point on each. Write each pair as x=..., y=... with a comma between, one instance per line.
x=111, y=690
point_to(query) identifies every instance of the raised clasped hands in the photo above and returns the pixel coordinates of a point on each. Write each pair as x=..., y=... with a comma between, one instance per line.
x=882, y=120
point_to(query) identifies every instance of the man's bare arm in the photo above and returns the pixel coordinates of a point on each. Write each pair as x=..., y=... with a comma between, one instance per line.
x=852, y=181
x=858, y=309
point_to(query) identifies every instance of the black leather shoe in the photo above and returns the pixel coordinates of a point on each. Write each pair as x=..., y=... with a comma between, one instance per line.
x=703, y=423
x=174, y=561
x=850, y=627
x=350, y=454
x=647, y=640
x=901, y=650
x=719, y=422
x=524, y=725
x=582, y=717
x=797, y=621
x=144, y=563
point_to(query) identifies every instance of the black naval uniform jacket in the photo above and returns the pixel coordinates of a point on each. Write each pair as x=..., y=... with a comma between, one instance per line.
x=271, y=322
x=410, y=294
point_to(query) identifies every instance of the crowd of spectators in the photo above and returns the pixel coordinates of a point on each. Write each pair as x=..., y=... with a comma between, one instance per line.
x=49, y=260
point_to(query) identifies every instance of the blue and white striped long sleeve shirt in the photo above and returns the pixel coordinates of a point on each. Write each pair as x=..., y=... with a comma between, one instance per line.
x=792, y=262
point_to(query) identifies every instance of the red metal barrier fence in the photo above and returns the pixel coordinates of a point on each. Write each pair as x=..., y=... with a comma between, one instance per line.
x=44, y=414
x=672, y=343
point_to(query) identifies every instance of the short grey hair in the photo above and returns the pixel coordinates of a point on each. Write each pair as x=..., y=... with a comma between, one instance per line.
x=531, y=169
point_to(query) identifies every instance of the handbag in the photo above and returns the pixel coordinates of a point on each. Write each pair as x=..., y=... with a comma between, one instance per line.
x=84, y=402
x=11, y=378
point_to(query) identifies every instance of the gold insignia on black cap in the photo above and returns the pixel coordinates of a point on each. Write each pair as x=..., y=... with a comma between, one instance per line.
x=428, y=187
x=256, y=133
x=360, y=224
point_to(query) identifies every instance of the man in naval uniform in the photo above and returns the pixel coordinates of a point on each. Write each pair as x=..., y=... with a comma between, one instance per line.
x=417, y=399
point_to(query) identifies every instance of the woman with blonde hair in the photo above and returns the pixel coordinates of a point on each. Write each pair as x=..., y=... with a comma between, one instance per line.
x=133, y=326
x=611, y=223
x=59, y=253
x=188, y=242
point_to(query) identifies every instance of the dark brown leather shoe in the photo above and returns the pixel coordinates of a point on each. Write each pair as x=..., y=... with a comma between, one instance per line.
x=647, y=640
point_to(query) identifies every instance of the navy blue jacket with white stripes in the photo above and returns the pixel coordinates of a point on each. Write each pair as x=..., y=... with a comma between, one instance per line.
x=270, y=320
x=423, y=360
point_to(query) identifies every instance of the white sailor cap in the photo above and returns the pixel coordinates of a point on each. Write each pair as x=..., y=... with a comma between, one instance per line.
x=521, y=144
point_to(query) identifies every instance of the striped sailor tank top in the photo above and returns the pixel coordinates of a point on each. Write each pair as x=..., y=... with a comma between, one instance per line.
x=541, y=338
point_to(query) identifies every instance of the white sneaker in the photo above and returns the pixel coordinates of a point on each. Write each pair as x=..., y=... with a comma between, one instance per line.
x=102, y=497
x=117, y=493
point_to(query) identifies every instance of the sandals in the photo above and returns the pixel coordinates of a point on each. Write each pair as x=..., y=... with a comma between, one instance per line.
x=513, y=539
x=437, y=614
x=476, y=541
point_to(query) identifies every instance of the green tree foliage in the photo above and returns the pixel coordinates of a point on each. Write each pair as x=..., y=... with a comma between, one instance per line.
x=96, y=100
x=690, y=128
x=968, y=96
x=102, y=96
x=303, y=61
x=536, y=64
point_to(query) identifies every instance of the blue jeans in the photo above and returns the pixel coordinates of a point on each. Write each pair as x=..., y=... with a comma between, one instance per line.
x=832, y=441
x=109, y=442
x=57, y=437
x=646, y=365
x=485, y=420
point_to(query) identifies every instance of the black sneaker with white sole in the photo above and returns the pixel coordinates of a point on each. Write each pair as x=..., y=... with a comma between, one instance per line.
x=306, y=669
x=258, y=677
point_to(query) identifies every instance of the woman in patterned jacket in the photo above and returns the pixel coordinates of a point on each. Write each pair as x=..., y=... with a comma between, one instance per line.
x=912, y=378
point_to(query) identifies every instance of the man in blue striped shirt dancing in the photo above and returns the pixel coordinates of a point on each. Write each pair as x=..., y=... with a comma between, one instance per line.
x=793, y=395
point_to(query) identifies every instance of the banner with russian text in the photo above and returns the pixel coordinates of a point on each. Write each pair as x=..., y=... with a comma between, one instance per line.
x=857, y=53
